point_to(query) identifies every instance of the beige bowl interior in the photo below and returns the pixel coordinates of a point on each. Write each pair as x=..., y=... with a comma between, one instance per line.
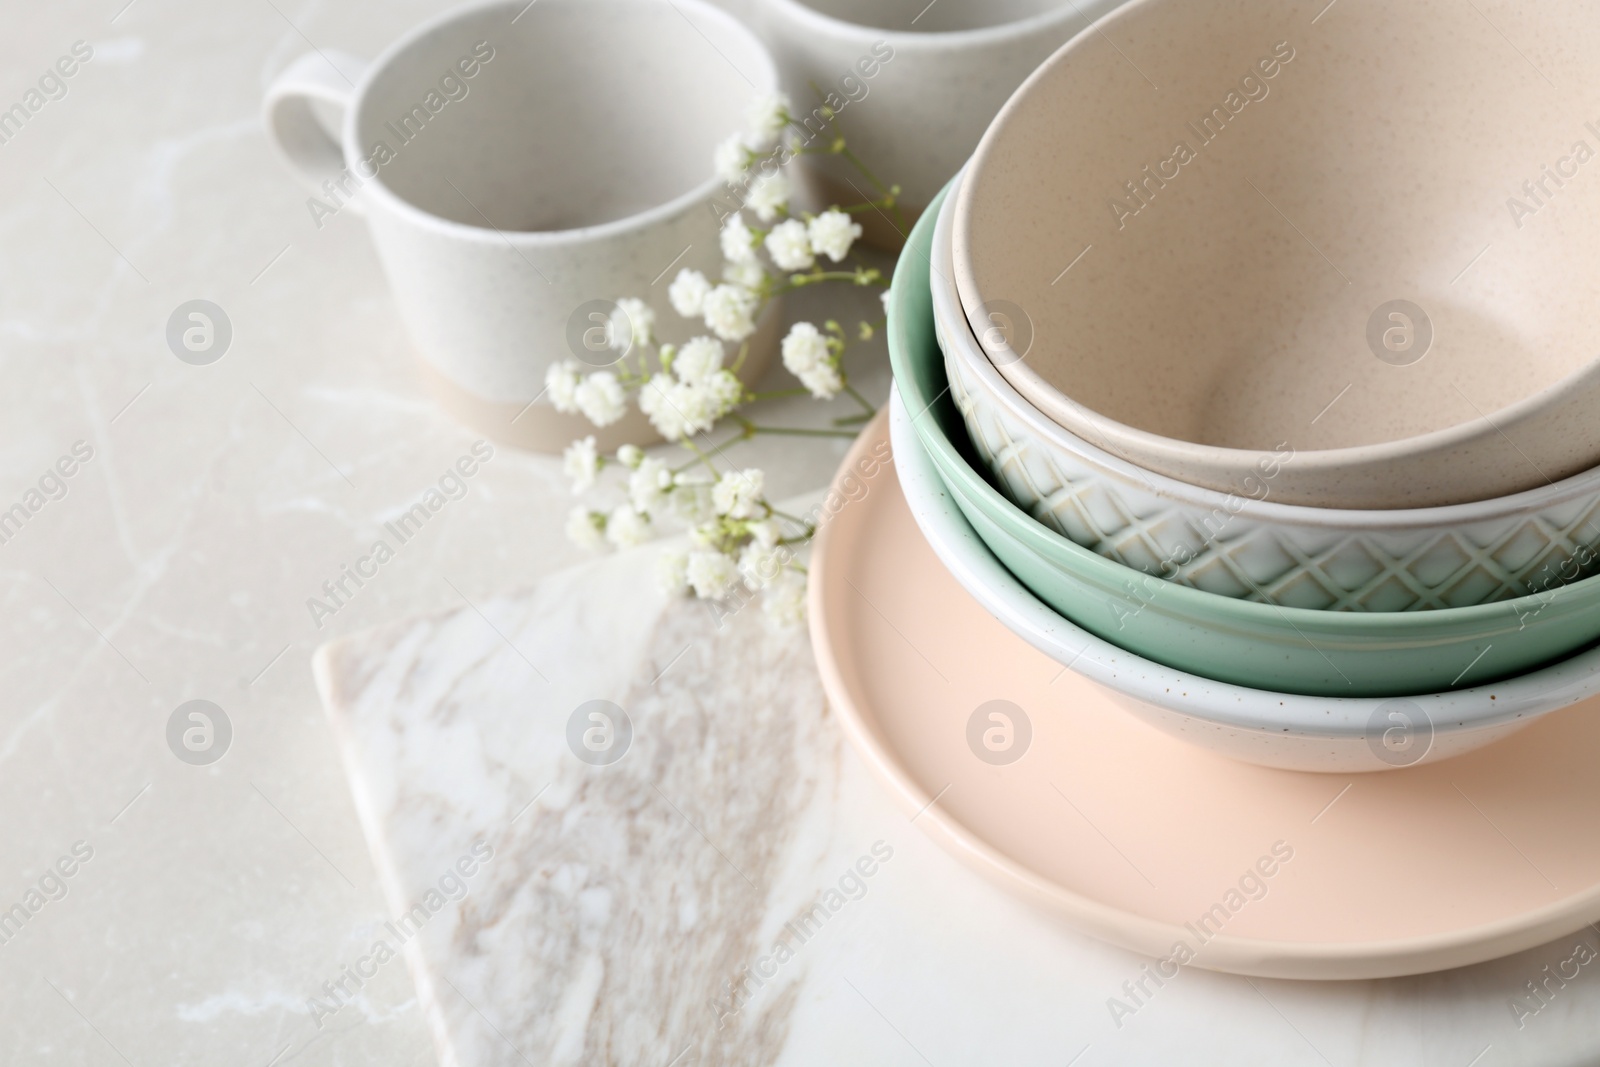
x=1252, y=182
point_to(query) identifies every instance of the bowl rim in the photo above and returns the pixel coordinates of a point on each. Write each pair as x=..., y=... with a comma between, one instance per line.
x=1109, y=573
x=986, y=579
x=949, y=314
x=1220, y=456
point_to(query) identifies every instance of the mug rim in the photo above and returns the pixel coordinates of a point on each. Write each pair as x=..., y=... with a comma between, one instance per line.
x=1002, y=32
x=766, y=77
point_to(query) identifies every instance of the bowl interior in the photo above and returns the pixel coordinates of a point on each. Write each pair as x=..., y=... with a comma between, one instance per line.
x=1200, y=219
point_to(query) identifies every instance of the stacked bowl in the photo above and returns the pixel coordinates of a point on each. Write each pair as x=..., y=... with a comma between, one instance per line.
x=1233, y=396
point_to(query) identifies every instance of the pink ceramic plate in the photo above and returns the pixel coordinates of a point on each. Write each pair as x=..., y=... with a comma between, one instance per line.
x=1157, y=846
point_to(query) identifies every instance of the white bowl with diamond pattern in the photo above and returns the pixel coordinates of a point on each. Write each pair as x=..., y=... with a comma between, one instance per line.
x=1254, y=548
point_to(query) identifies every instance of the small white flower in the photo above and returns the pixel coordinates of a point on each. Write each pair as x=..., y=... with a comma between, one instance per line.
x=649, y=485
x=688, y=293
x=809, y=357
x=832, y=233
x=671, y=572
x=804, y=348
x=731, y=159
x=738, y=243
x=627, y=527
x=585, y=528
x=749, y=273
x=581, y=463
x=884, y=296
x=760, y=566
x=601, y=399
x=765, y=533
x=737, y=494
x=730, y=312
x=823, y=380
x=698, y=359
x=631, y=324
x=691, y=498
x=785, y=599
x=726, y=391
x=789, y=247
x=711, y=574
x=630, y=456
x=705, y=534
x=655, y=400
x=561, y=382
x=768, y=196
x=768, y=115
x=697, y=404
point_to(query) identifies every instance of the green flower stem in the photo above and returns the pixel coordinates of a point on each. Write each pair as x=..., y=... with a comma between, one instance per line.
x=863, y=401
x=751, y=429
x=777, y=394
x=788, y=431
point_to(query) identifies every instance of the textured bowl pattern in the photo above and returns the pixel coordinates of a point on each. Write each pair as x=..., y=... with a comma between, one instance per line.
x=1296, y=566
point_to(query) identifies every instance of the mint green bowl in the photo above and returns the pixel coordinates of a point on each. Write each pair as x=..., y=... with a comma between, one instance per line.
x=1263, y=646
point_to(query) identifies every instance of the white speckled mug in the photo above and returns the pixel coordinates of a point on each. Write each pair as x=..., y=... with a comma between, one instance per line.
x=915, y=83
x=520, y=164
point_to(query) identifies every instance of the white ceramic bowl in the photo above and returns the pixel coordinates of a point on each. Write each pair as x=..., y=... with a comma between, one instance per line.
x=1250, y=546
x=1329, y=734
x=1307, y=237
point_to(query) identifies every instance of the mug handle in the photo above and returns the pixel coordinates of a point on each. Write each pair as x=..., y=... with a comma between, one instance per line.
x=314, y=156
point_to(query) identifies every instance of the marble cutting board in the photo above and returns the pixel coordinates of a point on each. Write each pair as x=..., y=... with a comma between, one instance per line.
x=735, y=890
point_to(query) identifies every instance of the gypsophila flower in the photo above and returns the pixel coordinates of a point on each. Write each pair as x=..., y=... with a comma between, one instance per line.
x=601, y=399
x=809, y=356
x=768, y=196
x=691, y=498
x=561, y=383
x=824, y=380
x=731, y=159
x=764, y=533
x=626, y=527
x=631, y=324
x=581, y=463
x=711, y=574
x=649, y=485
x=737, y=494
x=832, y=233
x=586, y=528
x=671, y=572
x=749, y=274
x=738, y=243
x=726, y=391
x=730, y=312
x=688, y=293
x=884, y=298
x=698, y=404
x=768, y=115
x=789, y=247
x=698, y=359
x=759, y=566
x=657, y=402
x=785, y=599
x=630, y=456
x=804, y=348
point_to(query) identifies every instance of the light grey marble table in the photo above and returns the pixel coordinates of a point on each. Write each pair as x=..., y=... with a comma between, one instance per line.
x=217, y=900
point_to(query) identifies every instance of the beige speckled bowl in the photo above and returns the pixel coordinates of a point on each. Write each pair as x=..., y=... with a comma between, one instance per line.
x=1195, y=275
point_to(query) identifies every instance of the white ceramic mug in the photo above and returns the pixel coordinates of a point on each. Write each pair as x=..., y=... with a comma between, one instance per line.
x=518, y=162
x=915, y=83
